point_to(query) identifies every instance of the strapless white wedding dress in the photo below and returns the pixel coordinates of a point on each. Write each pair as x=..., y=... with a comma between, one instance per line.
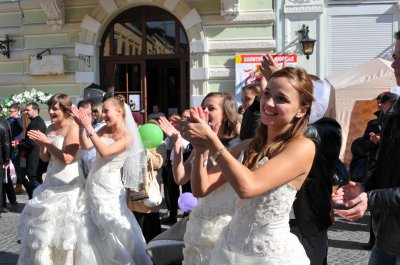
x=259, y=232
x=205, y=224
x=51, y=220
x=112, y=235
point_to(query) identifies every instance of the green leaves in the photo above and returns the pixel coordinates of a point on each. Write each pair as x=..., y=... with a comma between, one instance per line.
x=24, y=98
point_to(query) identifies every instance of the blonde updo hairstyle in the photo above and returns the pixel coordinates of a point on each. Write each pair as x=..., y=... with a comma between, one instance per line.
x=258, y=148
x=117, y=103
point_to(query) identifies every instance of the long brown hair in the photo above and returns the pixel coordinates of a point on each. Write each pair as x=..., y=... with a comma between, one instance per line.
x=229, y=108
x=300, y=80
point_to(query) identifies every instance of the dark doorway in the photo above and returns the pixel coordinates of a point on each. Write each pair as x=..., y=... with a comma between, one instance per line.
x=145, y=55
x=163, y=85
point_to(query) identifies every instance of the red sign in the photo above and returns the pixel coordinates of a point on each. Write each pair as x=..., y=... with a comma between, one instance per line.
x=257, y=58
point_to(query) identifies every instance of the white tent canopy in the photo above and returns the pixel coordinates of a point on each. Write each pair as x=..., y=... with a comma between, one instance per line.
x=362, y=82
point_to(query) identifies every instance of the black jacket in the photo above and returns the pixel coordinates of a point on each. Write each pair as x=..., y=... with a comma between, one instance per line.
x=312, y=206
x=17, y=128
x=5, y=144
x=364, y=150
x=250, y=121
x=34, y=165
x=383, y=185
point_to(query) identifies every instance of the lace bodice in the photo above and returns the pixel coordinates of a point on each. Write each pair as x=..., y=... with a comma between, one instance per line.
x=59, y=174
x=221, y=202
x=206, y=223
x=105, y=174
x=109, y=163
x=261, y=224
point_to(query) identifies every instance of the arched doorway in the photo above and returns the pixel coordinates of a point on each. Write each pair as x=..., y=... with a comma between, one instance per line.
x=144, y=54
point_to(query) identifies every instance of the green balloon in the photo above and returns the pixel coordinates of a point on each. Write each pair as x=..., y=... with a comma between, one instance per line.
x=151, y=135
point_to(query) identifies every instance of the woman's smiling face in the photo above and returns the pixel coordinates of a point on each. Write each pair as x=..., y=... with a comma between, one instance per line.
x=56, y=114
x=215, y=111
x=110, y=113
x=280, y=103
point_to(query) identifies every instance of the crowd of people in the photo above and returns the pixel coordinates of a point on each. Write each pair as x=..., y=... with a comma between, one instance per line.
x=263, y=180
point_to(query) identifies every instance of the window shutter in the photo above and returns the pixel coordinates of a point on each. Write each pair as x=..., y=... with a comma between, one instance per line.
x=357, y=39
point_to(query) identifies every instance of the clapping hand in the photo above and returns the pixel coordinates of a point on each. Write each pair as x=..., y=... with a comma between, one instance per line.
x=179, y=125
x=353, y=197
x=269, y=66
x=169, y=130
x=81, y=117
x=39, y=137
x=198, y=128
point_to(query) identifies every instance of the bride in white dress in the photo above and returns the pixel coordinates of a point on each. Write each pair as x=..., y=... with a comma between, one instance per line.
x=112, y=234
x=213, y=212
x=259, y=230
x=50, y=221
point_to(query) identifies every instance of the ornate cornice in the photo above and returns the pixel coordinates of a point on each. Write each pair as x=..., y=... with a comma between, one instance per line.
x=55, y=13
x=230, y=9
x=303, y=6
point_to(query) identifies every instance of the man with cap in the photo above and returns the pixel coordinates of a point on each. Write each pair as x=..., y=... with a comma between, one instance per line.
x=387, y=100
x=385, y=103
x=380, y=192
x=369, y=144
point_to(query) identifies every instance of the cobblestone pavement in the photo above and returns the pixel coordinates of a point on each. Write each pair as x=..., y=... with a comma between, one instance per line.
x=345, y=240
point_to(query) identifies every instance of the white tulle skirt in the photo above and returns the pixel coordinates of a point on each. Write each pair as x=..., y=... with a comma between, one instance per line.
x=49, y=225
x=111, y=232
x=200, y=237
x=61, y=226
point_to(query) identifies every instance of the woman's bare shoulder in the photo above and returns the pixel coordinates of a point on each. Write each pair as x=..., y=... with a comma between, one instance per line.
x=301, y=145
x=73, y=126
x=304, y=141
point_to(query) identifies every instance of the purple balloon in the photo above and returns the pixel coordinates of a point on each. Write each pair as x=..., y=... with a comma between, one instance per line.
x=187, y=202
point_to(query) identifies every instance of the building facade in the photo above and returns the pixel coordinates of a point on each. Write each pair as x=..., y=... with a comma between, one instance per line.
x=161, y=52
x=347, y=32
x=171, y=53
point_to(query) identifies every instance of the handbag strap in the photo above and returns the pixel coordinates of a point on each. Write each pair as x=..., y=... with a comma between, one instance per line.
x=151, y=166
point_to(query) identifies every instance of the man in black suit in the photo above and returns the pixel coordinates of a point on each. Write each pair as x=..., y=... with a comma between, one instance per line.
x=312, y=207
x=5, y=149
x=8, y=186
x=17, y=132
x=35, y=167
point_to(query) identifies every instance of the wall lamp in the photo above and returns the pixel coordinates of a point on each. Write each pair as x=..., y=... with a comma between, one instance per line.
x=39, y=55
x=5, y=46
x=307, y=44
